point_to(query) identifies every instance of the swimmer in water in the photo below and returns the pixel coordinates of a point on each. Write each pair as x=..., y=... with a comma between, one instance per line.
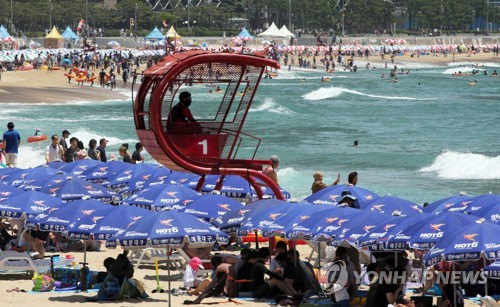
x=472, y=83
x=395, y=80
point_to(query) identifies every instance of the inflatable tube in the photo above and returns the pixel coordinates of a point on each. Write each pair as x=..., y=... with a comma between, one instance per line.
x=68, y=75
x=91, y=79
x=471, y=83
x=81, y=79
x=272, y=74
x=325, y=79
x=44, y=67
x=25, y=67
x=78, y=70
x=56, y=68
x=39, y=138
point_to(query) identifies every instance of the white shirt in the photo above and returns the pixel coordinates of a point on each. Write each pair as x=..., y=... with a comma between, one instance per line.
x=54, y=154
x=189, y=277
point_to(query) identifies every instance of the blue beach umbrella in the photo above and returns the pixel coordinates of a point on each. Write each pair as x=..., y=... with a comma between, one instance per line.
x=26, y=175
x=75, y=189
x=76, y=168
x=55, y=164
x=481, y=204
x=122, y=178
x=378, y=236
x=467, y=243
x=7, y=192
x=106, y=223
x=332, y=195
x=491, y=215
x=270, y=215
x=424, y=234
x=43, y=182
x=492, y=270
x=281, y=224
x=211, y=206
x=362, y=224
x=7, y=173
x=105, y=172
x=446, y=203
x=322, y=225
x=29, y=203
x=231, y=222
x=60, y=217
x=170, y=229
x=394, y=206
x=157, y=198
x=137, y=183
x=181, y=178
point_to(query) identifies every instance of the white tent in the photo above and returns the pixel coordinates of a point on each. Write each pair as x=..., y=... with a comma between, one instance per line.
x=285, y=31
x=272, y=31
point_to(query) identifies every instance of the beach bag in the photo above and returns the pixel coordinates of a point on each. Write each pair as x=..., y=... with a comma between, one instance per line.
x=42, y=283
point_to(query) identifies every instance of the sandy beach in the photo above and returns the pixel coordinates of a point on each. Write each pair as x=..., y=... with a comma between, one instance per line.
x=44, y=87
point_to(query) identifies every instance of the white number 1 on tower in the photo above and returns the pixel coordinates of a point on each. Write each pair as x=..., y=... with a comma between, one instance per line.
x=204, y=143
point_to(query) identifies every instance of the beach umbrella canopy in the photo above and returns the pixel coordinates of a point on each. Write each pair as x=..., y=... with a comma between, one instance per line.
x=279, y=225
x=43, y=182
x=60, y=217
x=103, y=173
x=492, y=270
x=122, y=178
x=7, y=191
x=78, y=167
x=170, y=229
x=26, y=175
x=491, y=215
x=446, y=203
x=29, y=203
x=467, y=243
x=181, y=178
x=113, y=44
x=154, y=177
x=231, y=222
x=106, y=223
x=424, y=234
x=393, y=206
x=481, y=204
x=323, y=225
x=56, y=164
x=377, y=237
x=75, y=189
x=333, y=194
x=7, y=173
x=157, y=198
x=211, y=206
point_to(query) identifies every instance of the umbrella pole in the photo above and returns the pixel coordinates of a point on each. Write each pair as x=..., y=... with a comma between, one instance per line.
x=168, y=268
x=454, y=295
x=256, y=239
x=486, y=283
x=319, y=255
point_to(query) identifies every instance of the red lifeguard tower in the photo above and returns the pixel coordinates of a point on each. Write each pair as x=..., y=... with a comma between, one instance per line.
x=210, y=145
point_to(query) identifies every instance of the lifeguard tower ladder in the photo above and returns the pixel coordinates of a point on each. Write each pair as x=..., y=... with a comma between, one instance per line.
x=208, y=146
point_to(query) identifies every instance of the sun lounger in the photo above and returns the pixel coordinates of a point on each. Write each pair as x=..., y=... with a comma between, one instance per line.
x=12, y=261
x=147, y=256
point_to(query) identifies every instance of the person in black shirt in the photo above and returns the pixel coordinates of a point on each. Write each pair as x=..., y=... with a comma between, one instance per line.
x=245, y=269
x=124, y=154
x=268, y=289
x=136, y=155
x=102, y=149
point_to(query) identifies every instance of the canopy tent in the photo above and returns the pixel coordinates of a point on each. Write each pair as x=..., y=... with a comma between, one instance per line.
x=285, y=31
x=172, y=34
x=155, y=34
x=5, y=37
x=69, y=34
x=272, y=31
x=53, y=39
x=245, y=35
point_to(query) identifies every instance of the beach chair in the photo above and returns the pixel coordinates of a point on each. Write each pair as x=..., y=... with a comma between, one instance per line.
x=147, y=256
x=315, y=294
x=12, y=261
x=207, y=264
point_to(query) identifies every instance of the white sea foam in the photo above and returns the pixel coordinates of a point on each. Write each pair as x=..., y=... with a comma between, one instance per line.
x=458, y=165
x=451, y=71
x=331, y=92
x=269, y=105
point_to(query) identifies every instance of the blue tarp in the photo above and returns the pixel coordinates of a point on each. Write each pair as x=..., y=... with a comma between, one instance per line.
x=155, y=34
x=69, y=34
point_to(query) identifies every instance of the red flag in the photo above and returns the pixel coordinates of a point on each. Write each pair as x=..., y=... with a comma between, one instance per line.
x=165, y=24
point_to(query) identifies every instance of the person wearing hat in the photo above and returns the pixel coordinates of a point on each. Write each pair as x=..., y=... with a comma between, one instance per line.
x=348, y=200
x=195, y=284
x=318, y=183
x=270, y=170
x=64, y=136
x=11, y=140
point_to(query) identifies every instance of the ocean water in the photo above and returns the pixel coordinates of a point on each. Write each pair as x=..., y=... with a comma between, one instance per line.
x=427, y=137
